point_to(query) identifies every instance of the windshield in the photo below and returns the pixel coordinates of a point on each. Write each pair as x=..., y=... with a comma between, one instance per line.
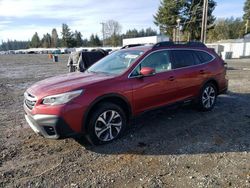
x=117, y=62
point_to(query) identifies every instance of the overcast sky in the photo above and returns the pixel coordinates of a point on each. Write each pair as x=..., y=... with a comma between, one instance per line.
x=20, y=19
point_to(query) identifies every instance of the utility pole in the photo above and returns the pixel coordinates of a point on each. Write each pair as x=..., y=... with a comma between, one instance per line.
x=247, y=26
x=103, y=35
x=174, y=35
x=178, y=29
x=204, y=22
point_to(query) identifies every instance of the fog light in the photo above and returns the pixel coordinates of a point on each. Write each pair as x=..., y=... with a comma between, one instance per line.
x=50, y=130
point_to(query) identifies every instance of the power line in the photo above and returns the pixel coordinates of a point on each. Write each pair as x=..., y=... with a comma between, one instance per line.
x=246, y=26
x=103, y=37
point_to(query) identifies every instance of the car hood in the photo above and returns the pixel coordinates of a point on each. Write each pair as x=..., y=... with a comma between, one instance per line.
x=65, y=83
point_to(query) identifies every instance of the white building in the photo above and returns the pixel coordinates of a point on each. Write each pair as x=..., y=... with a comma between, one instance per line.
x=236, y=47
x=145, y=40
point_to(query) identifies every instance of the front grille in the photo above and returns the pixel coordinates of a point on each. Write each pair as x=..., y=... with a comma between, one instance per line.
x=29, y=100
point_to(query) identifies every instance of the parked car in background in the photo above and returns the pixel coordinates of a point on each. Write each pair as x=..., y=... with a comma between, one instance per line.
x=101, y=101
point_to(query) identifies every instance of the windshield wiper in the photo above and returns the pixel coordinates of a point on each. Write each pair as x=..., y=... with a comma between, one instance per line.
x=100, y=72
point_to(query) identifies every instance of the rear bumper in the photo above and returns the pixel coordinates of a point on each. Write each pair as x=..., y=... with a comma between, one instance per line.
x=48, y=126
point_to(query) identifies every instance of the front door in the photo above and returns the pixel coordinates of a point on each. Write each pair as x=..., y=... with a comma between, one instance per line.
x=155, y=90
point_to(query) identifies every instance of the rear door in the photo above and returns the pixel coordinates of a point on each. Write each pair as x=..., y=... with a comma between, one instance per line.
x=187, y=73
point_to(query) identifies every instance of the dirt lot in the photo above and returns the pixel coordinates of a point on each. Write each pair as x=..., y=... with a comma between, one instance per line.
x=177, y=147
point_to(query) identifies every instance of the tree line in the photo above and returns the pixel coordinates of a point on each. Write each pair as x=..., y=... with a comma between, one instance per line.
x=111, y=37
x=69, y=39
x=14, y=45
x=189, y=14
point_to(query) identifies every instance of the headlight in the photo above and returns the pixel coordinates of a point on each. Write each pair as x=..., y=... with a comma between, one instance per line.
x=61, y=98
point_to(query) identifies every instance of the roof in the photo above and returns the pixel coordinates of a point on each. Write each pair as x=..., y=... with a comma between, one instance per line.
x=180, y=44
x=168, y=44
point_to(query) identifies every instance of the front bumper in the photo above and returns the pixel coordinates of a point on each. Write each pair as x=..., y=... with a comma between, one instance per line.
x=54, y=121
x=48, y=126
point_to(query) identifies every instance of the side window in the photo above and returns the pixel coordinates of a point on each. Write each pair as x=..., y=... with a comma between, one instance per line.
x=159, y=61
x=184, y=58
x=203, y=56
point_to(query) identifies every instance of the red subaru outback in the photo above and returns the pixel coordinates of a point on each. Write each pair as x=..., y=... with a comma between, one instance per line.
x=100, y=101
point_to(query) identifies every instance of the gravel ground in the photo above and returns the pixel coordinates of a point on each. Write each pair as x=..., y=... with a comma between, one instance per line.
x=177, y=147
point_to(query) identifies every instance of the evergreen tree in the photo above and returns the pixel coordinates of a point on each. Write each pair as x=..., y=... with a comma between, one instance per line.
x=226, y=29
x=78, y=39
x=97, y=41
x=246, y=16
x=168, y=12
x=46, y=41
x=9, y=45
x=235, y=25
x=94, y=40
x=131, y=33
x=219, y=32
x=14, y=45
x=67, y=36
x=150, y=32
x=54, y=39
x=59, y=42
x=142, y=33
x=85, y=42
x=35, y=41
x=192, y=17
x=188, y=11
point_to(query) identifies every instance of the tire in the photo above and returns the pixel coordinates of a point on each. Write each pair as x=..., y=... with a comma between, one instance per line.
x=207, y=97
x=102, y=128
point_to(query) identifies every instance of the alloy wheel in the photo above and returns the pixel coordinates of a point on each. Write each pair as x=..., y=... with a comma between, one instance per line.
x=208, y=97
x=108, y=125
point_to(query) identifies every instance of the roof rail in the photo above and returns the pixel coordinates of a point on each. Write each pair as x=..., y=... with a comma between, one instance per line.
x=131, y=45
x=186, y=44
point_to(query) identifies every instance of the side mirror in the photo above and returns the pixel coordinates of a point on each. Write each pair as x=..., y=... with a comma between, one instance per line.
x=147, y=71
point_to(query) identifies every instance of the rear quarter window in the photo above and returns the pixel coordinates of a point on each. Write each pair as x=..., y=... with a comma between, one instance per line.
x=204, y=57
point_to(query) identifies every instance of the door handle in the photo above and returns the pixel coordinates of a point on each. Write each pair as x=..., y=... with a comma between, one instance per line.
x=171, y=78
x=202, y=71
